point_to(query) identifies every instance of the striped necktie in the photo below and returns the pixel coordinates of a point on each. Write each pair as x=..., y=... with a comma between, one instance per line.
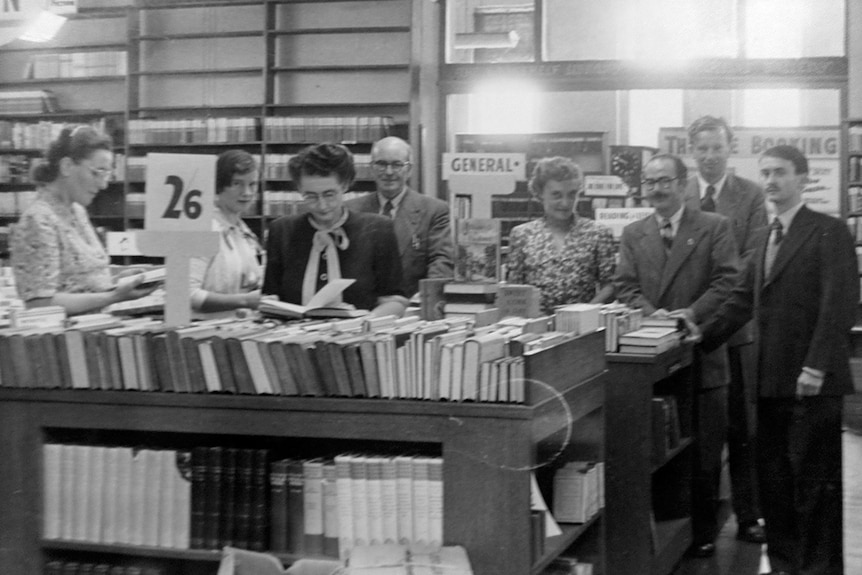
x=667, y=234
x=387, y=208
x=775, y=236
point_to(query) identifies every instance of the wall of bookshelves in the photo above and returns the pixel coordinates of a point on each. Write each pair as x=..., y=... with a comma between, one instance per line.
x=290, y=73
x=851, y=178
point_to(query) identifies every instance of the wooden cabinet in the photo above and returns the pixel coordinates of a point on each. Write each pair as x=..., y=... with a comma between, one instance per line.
x=648, y=502
x=488, y=454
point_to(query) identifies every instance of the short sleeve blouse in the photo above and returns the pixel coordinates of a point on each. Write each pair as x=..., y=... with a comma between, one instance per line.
x=55, y=249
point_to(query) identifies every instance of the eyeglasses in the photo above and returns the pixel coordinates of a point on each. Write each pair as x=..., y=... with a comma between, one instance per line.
x=312, y=198
x=663, y=183
x=104, y=173
x=382, y=166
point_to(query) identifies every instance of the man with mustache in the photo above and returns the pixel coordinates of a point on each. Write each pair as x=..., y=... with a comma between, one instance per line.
x=685, y=258
x=714, y=189
x=421, y=222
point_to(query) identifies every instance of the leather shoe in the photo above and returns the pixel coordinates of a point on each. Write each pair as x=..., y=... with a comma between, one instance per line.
x=753, y=533
x=705, y=550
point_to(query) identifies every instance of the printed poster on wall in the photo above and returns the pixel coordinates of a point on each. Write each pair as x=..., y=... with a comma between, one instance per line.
x=821, y=145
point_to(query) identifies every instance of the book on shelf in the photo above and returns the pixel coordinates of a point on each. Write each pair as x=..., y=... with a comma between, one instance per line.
x=516, y=300
x=477, y=250
x=322, y=304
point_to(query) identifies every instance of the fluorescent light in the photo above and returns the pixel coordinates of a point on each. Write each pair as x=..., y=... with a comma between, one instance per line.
x=469, y=40
x=44, y=27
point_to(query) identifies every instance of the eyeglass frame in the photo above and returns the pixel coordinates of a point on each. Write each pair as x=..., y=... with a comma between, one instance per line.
x=104, y=173
x=662, y=183
x=397, y=166
x=328, y=196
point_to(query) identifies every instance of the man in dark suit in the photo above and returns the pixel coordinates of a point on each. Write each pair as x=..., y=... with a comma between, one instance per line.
x=421, y=222
x=802, y=285
x=684, y=258
x=713, y=189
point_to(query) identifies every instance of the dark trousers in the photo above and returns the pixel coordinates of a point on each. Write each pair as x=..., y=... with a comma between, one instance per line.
x=741, y=417
x=711, y=422
x=799, y=470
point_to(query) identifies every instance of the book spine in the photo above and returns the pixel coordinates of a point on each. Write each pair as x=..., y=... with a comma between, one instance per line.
x=182, y=508
x=404, y=492
x=330, y=510
x=278, y=508
x=245, y=472
x=51, y=490
x=213, y=490
x=228, y=501
x=260, y=502
x=198, y=496
x=344, y=487
x=313, y=506
x=295, y=506
x=166, y=498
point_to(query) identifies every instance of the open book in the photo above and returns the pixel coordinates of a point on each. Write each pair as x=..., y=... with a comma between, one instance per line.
x=149, y=278
x=322, y=304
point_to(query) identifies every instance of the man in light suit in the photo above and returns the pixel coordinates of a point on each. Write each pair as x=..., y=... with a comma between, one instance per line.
x=421, y=222
x=802, y=285
x=684, y=258
x=713, y=189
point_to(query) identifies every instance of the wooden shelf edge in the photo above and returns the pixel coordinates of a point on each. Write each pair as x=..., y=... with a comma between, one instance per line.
x=200, y=36
x=196, y=145
x=556, y=545
x=343, y=30
x=684, y=443
x=198, y=555
x=268, y=403
x=199, y=72
x=673, y=538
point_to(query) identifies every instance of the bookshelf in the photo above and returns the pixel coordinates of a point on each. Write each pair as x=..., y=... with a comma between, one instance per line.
x=851, y=184
x=491, y=523
x=636, y=486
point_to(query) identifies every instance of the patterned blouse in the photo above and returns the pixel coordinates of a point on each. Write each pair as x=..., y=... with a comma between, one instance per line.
x=236, y=267
x=55, y=249
x=571, y=275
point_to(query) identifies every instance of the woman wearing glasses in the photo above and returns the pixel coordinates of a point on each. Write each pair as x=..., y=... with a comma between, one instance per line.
x=329, y=242
x=56, y=255
x=231, y=278
x=570, y=259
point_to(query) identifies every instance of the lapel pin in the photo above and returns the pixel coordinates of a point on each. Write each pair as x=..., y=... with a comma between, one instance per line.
x=690, y=242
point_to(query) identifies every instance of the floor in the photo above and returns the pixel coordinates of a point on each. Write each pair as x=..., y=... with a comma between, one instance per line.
x=736, y=558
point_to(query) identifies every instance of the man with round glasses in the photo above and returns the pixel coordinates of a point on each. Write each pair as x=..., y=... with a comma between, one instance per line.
x=679, y=258
x=421, y=222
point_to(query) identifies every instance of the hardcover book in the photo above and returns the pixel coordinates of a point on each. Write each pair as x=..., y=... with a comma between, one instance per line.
x=477, y=250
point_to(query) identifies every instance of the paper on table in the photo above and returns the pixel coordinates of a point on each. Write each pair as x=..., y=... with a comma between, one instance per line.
x=538, y=502
x=328, y=293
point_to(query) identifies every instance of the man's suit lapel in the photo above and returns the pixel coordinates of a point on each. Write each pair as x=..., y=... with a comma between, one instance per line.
x=684, y=242
x=794, y=238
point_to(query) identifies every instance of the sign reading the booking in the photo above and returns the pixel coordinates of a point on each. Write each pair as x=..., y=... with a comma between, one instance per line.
x=180, y=192
x=480, y=175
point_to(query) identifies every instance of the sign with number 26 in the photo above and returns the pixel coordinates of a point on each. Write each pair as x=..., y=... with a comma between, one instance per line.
x=180, y=192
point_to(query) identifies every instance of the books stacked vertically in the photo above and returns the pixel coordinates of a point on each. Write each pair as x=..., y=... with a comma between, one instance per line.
x=578, y=491
x=650, y=340
x=618, y=319
x=194, y=131
x=117, y=495
x=28, y=102
x=477, y=250
x=577, y=318
x=330, y=506
x=309, y=129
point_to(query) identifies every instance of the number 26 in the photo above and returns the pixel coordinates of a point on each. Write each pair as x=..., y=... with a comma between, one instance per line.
x=191, y=206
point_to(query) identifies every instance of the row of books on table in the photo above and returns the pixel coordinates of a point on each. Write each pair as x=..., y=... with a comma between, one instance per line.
x=359, y=357
x=209, y=497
